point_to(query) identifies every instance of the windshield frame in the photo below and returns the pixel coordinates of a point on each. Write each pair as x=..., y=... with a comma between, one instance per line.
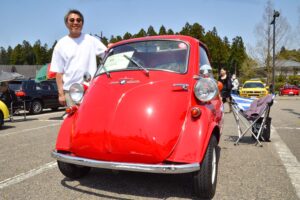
x=110, y=50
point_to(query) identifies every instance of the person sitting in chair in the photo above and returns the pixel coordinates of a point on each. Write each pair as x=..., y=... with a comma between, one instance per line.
x=7, y=95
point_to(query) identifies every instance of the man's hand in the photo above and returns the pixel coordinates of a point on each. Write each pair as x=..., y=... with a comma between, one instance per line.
x=62, y=99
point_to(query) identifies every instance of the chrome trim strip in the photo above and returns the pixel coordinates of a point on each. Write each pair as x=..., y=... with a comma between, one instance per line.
x=135, y=167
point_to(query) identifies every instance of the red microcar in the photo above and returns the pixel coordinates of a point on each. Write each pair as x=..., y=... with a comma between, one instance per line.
x=153, y=106
x=289, y=90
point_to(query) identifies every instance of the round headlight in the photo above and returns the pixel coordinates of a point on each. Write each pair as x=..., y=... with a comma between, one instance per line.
x=76, y=92
x=206, y=89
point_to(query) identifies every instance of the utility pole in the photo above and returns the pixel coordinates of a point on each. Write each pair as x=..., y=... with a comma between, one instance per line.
x=276, y=14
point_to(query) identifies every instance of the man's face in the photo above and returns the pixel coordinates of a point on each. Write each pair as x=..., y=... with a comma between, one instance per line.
x=74, y=24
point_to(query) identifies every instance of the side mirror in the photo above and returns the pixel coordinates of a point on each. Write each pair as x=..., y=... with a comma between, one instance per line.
x=87, y=77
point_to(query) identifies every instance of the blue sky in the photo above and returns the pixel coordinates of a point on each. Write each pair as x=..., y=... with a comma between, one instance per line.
x=31, y=20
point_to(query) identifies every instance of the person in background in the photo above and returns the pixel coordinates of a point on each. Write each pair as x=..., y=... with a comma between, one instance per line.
x=7, y=95
x=235, y=85
x=225, y=79
x=74, y=55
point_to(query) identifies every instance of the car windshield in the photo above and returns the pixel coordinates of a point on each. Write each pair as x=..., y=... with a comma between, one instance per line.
x=147, y=55
x=253, y=85
x=290, y=87
x=15, y=85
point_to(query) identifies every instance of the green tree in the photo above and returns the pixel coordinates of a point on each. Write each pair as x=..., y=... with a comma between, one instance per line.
x=186, y=30
x=104, y=40
x=127, y=36
x=38, y=52
x=9, y=55
x=151, y=31
x=28, y=56
x=196, y=31
x=141, y=33
x=248, y=70
x=216, y=48
x=162, y=30
x=170, y=32
x=16, y=56
x=237, y=54
x=3, y=56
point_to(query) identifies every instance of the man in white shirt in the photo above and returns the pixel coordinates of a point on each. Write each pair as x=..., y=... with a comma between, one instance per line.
x=73, y=55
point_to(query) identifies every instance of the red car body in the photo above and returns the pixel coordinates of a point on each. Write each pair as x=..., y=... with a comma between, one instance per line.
x=289, y=90
x=143, y=121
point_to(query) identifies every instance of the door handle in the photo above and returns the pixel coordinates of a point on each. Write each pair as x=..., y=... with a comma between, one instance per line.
x=181, y=86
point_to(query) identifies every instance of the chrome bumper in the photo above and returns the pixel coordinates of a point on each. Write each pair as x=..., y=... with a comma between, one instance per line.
x=135, y=167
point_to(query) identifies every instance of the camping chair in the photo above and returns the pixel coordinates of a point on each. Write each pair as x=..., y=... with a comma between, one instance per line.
x=254, y=114
x=17, y=108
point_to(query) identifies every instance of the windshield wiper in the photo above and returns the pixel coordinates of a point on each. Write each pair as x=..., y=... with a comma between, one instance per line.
x=137, y=64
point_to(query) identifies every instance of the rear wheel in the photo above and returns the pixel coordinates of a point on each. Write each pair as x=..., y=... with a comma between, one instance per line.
x=205, y=180
x=73, y=171
x=36, y=107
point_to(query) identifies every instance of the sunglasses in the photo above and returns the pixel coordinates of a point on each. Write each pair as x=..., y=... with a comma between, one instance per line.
x=72, y=20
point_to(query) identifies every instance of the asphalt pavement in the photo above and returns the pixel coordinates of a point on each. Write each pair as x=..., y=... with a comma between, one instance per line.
x=246, y=171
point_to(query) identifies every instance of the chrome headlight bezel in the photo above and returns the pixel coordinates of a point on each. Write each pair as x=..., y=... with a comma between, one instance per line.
x=76, y=92
x=206, y=89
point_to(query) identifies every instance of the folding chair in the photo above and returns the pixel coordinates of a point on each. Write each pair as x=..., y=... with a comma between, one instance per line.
x=254, y=114
x=17, y=107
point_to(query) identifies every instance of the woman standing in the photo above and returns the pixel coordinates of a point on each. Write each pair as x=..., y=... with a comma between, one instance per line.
x=225, y=79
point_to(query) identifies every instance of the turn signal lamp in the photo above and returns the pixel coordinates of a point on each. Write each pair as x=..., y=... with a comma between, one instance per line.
x=72, y=109
x=195, y=112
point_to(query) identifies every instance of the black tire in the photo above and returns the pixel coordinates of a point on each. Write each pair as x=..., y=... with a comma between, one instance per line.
x=36, y=107
x=205, y=180
x=73, y=171
x=1, y=119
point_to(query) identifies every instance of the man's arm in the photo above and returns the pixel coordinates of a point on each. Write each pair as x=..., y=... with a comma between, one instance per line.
x=61, y=94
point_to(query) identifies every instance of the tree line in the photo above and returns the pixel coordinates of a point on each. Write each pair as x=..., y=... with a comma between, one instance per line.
x=223, y=53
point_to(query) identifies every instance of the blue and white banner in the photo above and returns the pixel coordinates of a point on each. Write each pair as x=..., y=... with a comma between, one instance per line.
x=241, y=102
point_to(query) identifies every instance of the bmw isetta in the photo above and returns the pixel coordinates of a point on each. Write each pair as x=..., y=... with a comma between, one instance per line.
x=151, y=107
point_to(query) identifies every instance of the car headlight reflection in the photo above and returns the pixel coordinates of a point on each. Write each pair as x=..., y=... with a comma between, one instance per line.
x=206, y=89
x=76, y=92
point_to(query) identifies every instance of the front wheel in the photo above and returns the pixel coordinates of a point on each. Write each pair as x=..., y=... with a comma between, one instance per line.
x=72, y=171
x=205, y=180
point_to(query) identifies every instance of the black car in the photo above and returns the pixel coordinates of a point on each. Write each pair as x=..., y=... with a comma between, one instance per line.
x=37, y=95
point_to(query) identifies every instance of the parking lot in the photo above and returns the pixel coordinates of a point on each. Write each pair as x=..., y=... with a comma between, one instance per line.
x=246, y=171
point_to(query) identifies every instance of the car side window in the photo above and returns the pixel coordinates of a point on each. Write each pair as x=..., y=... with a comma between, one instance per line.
x=38, y=86
x=45, y=86
x=204, y=64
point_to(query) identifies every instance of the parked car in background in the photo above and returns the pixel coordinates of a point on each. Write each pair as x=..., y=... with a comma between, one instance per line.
x=253, y=89
x=37, y=95
x=289, y=90
x=148, y=109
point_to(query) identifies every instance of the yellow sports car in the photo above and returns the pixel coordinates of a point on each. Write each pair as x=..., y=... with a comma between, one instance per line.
x=4, y=113
x=253, y=89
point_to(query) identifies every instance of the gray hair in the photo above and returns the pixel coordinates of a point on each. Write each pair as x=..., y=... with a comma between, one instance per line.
x=73, y=11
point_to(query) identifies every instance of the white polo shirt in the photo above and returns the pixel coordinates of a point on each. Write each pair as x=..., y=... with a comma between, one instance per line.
x=75, y=56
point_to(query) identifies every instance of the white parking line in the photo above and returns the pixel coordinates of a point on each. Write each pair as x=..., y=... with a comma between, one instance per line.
x=290, y=128
x=29, y=129
x=27, y=175
x=290, y=162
